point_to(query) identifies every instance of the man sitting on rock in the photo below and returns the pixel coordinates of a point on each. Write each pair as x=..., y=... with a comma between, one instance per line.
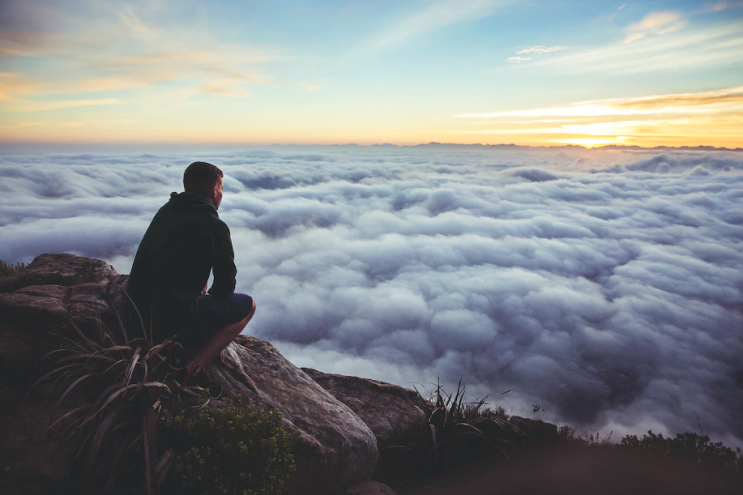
x=185, y=241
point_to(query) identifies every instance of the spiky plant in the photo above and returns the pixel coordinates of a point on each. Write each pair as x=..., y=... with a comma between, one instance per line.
x=456, y=432
x=460, y=430
x=116, y=387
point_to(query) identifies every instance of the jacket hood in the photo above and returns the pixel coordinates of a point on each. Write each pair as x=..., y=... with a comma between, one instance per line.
x=191, y=201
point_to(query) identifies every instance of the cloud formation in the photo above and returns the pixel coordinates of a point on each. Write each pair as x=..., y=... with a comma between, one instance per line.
x=655, y=24
x=142, y=43
x=539, y=49
x=720, y=6
x=534, y=51
x=605, y=286
x=517, y=60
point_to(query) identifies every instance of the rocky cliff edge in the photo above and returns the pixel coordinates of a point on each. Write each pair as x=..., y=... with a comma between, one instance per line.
x=338, y=422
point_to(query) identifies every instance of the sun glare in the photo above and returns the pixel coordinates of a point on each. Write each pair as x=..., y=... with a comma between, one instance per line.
x=593, y=142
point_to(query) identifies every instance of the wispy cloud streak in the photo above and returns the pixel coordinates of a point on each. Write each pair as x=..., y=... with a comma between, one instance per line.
x=435, y=17
x=720, y=6
x=711, y=46
x=534, y=51
x=539, y=49
x=655, y=24
x=714, y=114
x=40, y=106
x=125, y=49
x=703, y=102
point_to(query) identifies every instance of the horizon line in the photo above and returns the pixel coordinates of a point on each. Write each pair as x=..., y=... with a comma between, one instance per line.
x=700, y=147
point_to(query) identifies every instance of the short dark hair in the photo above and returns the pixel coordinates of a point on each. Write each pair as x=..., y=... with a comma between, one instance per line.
x=201, y=177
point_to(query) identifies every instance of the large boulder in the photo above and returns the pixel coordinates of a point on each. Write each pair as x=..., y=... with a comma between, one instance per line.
x=395, y=414
x=333, y=447
x=53, y=293
x=63, y=269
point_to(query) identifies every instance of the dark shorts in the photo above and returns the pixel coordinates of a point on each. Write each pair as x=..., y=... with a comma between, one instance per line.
x=220, y=311
x=194, y=327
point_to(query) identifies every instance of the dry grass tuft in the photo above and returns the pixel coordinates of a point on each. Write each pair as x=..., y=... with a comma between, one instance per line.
x=10, y=268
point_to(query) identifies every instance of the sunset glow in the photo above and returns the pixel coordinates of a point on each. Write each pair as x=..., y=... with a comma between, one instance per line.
x=449, y=71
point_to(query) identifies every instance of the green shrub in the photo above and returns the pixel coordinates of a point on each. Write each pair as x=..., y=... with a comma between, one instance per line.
x=566, y=433
x=11, y=269
x=689, y=446
x=233, y=450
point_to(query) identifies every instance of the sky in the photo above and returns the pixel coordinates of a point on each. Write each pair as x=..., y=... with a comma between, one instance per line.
x=605, y=286
x=533, y=72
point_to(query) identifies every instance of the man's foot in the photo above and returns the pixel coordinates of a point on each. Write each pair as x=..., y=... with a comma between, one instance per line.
x=189, y=376
x=189, y=383
x=180, y=359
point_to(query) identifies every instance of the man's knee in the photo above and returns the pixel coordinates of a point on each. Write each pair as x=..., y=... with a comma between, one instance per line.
x=251, y=312
x=245, y=304
x=247, y=318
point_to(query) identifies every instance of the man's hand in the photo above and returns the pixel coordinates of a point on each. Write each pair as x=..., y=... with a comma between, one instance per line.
x=203, y=291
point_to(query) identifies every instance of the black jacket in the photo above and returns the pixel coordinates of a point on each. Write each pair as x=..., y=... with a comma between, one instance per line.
x=184, y=242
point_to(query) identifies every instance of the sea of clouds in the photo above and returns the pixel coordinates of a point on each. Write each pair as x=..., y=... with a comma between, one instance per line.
x=604, y=286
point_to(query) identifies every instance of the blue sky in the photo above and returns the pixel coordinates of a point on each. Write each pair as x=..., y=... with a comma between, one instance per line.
x=401, y=72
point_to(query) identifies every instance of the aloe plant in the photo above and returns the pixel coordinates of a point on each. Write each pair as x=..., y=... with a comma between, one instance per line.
x=116, y=388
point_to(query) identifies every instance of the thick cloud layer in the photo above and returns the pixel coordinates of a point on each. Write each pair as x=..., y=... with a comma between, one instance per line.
x=606, y=287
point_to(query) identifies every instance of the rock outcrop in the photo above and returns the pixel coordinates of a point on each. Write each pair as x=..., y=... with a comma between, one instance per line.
x=63, y=269
x=393, y=413
x=334, y=448
x=53, y=291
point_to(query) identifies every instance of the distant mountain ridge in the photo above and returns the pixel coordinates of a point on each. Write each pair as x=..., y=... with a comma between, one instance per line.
x=509, y=147
x=42, y=147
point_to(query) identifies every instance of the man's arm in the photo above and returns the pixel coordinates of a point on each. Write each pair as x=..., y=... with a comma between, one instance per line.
x=224, y=263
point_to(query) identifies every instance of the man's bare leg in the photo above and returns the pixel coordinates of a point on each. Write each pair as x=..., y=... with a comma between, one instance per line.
x=218, y=343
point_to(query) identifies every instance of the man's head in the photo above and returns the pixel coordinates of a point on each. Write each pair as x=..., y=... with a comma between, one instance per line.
x=205, y=179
